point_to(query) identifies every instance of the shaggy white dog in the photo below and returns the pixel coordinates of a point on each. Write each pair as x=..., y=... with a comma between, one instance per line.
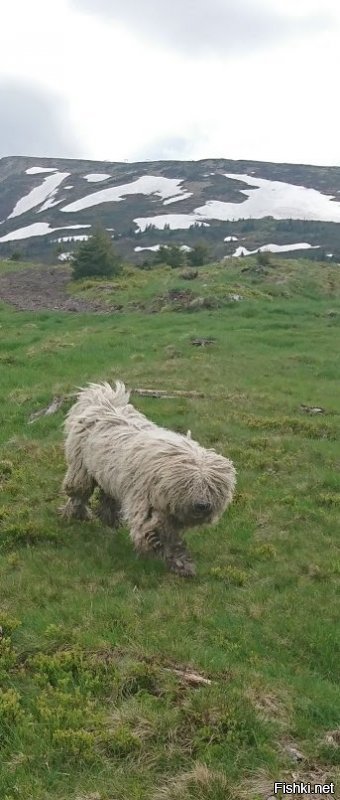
x=159, y=482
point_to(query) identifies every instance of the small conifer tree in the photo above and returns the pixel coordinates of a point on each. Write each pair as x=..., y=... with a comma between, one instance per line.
x=199, y=255
x=96, y=257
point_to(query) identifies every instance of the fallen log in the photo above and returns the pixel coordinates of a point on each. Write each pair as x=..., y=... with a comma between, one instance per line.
x=165, y=393
x=56, y=404
x=193, y=678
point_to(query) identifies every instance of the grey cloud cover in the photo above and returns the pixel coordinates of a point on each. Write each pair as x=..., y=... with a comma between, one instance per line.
x=33, y=122
x=220, y=26
x=170, y=147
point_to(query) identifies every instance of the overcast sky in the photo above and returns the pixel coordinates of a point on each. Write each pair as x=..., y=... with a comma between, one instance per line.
x=156, y=79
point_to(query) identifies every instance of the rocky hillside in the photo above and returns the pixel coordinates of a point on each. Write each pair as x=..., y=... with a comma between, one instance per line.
x=48, y=205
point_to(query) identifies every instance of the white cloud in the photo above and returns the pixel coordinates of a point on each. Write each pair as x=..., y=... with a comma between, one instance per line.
x=223, y=27
x=128, y=99
x=33, y=119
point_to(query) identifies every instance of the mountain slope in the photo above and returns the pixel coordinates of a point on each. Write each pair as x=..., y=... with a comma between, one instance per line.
x=236, y=206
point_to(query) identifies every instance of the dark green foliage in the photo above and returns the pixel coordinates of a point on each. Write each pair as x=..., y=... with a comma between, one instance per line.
x=15, y=256
x=173, y=256
x=199, y=255
x=263, y=259
x=96, y=257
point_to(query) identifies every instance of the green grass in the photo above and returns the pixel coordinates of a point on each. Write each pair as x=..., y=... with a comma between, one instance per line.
x=90, y=706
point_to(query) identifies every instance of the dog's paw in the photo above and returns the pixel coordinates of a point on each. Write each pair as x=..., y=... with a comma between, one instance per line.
x=64, y=511
x=72, y=510
x=183, y=567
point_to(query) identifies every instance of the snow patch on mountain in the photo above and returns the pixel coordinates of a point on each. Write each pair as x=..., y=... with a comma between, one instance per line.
x=37, y=229
x=273, y=248
x=273, y=199
x=37, y=170
x=153, y=247
x=45, y=191
x=265, y=198
x=176, y=199
x=96, y=177
x=49, y=203
x=156, y=247
x=175, y=221
x=78, y=238
x=146, y=184
x=72, y=227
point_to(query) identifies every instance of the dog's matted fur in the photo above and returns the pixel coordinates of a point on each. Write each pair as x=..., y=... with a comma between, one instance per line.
x=159, y=482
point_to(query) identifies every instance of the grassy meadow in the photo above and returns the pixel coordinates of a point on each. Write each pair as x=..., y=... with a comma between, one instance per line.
x=94, y=641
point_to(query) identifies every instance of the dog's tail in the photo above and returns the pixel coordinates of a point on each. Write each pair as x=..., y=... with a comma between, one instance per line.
x=104, y=395
x=95, y=399
x=119, y=396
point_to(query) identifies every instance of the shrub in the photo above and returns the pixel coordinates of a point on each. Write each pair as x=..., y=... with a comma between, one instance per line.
x=96, y=257
x=263, y=259
x=199, y=255
x=189, y=274
x=173, y=256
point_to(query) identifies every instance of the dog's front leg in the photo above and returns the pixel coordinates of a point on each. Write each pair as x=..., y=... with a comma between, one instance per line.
x=108, y=510
x=151, y=533
x=79, y=486
x=177, y=557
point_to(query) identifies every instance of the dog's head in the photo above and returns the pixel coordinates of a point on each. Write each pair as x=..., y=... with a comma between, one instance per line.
x=195, y=485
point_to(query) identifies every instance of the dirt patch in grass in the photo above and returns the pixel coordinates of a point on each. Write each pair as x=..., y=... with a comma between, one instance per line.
x=41, y=289
x=45, y=289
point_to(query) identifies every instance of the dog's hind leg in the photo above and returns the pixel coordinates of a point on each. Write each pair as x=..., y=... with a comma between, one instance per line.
x=79, y=486
x=107, y=509
x=146, y=531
